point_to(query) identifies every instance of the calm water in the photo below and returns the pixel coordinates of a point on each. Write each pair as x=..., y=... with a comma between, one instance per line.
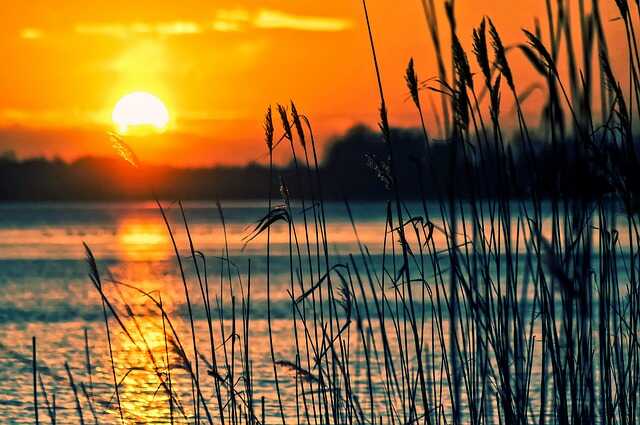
x=45, y=292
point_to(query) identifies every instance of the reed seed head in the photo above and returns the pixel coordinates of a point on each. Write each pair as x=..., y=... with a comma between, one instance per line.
x=268, y=129
x=500, y=55
x=298, y=124
x=282, y=111
x=411, y=79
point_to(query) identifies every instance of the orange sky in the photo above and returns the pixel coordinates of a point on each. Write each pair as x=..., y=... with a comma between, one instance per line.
x=216, y=65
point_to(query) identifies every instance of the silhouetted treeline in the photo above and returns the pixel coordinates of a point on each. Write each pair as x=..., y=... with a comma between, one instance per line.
x=355, y=166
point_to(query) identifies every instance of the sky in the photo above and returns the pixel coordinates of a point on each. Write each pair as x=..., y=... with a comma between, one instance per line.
x=217, y=66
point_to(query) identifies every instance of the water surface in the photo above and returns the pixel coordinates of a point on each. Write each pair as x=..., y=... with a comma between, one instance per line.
x=45, y=291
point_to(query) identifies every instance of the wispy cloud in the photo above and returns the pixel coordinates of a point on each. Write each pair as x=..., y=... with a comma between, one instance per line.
x=233, y=15
x=136, y=28
x=231, y=20
x=240, y=19
x=273, y=19
x=179, y=27
x=226, y=20
x=226, y=26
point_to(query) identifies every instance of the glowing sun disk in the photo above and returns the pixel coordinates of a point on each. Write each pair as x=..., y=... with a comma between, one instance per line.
x=140, y=109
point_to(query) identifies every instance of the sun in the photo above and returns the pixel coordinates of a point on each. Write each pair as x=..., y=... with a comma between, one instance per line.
x=140, y=111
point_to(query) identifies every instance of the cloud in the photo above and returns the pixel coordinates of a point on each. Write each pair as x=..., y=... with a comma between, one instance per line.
x=233, y=15
x=273, y=19
x=226, y=20
x=230, y=20
x=123, y=30
x=225, y=26
x=238, y=19
x=179, y=27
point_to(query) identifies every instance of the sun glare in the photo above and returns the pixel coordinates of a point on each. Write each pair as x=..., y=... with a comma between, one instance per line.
x=141, y=239
x=140, y=111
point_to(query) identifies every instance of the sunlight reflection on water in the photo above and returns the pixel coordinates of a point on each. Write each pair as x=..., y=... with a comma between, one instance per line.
x=143, y=239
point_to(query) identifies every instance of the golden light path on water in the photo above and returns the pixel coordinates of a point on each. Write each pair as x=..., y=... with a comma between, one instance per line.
x=144, y=396
x=152, y=370
x=146, y=357
x=143, y=239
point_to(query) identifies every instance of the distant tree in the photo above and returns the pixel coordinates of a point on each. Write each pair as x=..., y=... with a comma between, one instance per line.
x=8, y=156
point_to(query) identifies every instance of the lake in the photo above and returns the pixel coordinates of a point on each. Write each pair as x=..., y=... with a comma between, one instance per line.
x=46, y=292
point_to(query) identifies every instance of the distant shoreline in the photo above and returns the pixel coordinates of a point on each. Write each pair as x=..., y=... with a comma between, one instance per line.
x=354, y=168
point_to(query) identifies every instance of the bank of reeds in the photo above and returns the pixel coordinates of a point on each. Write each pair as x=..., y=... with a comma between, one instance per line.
x=511, y=309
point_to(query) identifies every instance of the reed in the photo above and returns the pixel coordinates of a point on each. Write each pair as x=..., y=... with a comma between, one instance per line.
x=34, y=368
x=75, y=393
x=520, y=307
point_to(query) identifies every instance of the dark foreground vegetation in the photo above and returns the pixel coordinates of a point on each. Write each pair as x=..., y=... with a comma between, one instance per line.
x=530, y=312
